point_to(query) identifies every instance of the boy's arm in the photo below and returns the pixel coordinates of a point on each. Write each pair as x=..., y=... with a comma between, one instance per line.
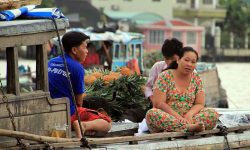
x=76, y=127
x=79, y=99
x=153, y=74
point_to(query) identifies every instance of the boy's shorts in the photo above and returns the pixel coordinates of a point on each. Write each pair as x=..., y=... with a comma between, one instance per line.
x=86, y=114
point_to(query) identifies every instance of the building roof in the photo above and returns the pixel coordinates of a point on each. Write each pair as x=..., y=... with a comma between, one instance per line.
x=172, y=22
x=137, y=17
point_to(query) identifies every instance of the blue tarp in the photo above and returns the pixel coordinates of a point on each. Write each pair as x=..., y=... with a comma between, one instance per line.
x=30, y=11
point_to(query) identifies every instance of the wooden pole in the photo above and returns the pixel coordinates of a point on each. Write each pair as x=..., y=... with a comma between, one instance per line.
x=106, y=140
x=33, y=137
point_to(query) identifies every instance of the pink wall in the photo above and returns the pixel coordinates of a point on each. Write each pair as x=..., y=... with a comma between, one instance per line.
x=149, y=47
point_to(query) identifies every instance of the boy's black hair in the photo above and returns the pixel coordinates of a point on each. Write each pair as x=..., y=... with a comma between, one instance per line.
x=171, y=47
x=73, y=39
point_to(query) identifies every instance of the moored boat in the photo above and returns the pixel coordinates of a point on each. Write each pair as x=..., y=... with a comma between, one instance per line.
x=35, y=114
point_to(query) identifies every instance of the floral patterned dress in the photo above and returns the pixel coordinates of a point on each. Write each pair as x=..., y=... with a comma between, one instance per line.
x=181, y=102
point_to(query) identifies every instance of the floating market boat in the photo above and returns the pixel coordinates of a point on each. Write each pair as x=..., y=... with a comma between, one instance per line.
x=29, y=118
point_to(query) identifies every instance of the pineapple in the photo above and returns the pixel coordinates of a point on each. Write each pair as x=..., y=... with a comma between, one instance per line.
x=125, y=71
x=123, y=90
x=89, y=79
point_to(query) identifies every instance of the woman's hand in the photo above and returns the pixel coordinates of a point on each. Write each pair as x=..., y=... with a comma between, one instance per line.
x=189, y=118
x=182, y=120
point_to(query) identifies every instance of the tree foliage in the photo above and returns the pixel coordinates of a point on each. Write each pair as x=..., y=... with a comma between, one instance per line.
x=151, y=58
x=237, y=16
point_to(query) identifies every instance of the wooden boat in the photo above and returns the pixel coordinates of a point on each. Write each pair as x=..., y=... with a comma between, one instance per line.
x=216, y=95
x=234, y=138
x=35, y=114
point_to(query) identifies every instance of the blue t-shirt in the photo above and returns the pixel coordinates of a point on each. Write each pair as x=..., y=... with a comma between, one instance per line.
x=58, y=82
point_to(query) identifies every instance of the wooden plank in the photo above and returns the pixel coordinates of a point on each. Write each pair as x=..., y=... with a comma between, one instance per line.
x=41, y=68
x=38, y=124
x=40, y=110
x=36, y=137
x=32, y=106
x=160, y=136
x=12, y=71
x=23, y=27
x=32, y=95
x=20, y=40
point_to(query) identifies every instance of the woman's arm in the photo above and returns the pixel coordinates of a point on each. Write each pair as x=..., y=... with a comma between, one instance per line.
x=199, y=104
x=159, y=101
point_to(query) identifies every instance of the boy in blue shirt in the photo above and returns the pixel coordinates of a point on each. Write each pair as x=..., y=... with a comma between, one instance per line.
x=75, y=47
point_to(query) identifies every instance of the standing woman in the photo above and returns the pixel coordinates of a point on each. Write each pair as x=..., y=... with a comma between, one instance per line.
x=179, y=98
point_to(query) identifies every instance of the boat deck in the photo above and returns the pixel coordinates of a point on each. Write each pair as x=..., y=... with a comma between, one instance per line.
x=122, y=136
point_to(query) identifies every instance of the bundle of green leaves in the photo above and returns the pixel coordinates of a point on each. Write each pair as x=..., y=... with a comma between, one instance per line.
x=121, y=93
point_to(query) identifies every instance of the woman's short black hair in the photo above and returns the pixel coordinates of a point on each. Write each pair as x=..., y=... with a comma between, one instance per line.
x=73, y=39
x=174, y=64
x=188, y=49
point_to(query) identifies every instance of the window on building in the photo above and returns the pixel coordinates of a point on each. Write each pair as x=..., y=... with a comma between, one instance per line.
x=156, y=36
x=191, y=37
x=177, y=35
x=207, y=1
x=181, y=1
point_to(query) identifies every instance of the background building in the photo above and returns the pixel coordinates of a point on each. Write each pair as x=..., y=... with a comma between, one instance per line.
x=156, y=33
x=206, y=13
x=160, y=7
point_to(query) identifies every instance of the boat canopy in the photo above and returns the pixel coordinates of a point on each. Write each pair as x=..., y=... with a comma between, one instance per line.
x=118, y=36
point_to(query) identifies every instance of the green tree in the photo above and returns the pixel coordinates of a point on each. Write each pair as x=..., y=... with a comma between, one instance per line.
x=237, y=16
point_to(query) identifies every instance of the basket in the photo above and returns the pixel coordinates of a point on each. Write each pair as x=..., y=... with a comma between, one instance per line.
x=13, y=4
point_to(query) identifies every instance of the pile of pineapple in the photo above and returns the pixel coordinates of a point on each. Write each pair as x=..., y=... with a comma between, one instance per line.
x=122, y=89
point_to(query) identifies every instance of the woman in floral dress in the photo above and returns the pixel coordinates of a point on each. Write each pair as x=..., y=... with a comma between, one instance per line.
x=179, y=98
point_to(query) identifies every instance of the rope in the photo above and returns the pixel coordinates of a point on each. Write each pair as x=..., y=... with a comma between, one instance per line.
x=83, y=140
x=11, y=116
x=224, y=132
